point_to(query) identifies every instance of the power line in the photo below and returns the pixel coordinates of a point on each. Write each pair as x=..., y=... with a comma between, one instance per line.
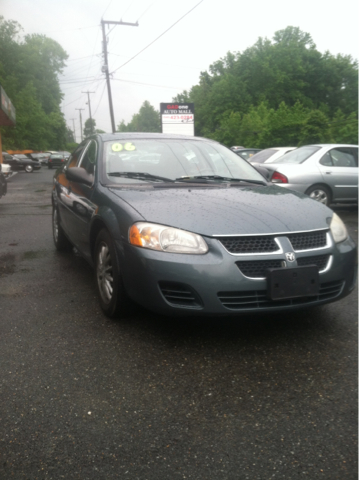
x=89, y=104
x=103, y=91
x=146, y=84
x=155, y=40
x=139, y=18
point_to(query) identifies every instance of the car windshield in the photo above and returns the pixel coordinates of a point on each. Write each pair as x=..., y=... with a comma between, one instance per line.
x=172, y=159
x=299, y=155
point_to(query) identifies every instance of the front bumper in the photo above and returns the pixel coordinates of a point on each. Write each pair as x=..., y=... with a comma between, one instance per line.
x=212, y=284
x=9, y=174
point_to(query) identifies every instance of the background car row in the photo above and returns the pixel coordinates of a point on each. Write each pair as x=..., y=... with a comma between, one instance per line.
x=327, y=173
x=34, y=161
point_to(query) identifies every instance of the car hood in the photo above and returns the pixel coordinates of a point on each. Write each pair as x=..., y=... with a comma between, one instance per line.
x=228, y=211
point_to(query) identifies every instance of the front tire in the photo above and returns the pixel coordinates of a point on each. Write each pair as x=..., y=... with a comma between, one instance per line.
x=113, y=299
x=320, y=193
x=62, y=243
x=29, y=169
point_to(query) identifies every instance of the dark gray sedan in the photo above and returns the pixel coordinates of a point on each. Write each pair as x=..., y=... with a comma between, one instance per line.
x=184, y=226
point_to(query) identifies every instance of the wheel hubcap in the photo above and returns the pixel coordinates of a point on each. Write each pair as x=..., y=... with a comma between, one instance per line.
x=105, y=273
x=55, y=226
x=319, y=196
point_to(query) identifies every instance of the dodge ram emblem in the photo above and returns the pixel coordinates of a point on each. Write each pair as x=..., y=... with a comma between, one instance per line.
x=290, y=256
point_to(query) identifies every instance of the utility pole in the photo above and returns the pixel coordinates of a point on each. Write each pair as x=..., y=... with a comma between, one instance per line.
x=89, y=104
x=105, y=67
x=80, y=121
x=73, y=124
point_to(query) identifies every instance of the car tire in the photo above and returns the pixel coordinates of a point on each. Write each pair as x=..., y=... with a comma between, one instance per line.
x=113, y=298
x=320, y=193
x=62, y=243
x=29, y=169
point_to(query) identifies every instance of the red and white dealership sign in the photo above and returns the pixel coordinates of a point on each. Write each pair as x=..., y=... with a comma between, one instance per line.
x=177, y=118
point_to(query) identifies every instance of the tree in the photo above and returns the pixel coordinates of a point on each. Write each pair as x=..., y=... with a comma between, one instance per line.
x=146, y=120
x=89, y=128
x=70, y=137
x=315, y=129
x=281, y=73
x=29, y=72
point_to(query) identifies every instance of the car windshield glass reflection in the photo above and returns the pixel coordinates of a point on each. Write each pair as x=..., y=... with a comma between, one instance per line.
x=171, y=160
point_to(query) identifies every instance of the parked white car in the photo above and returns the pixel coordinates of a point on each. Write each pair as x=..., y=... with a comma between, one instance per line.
x=6, y=171
x=270, y=154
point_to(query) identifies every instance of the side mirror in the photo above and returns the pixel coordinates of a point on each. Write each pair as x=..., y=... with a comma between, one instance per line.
x=78, y=174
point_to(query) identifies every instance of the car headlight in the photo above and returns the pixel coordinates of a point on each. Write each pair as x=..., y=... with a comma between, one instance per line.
x=338, y=229
x=166, y=239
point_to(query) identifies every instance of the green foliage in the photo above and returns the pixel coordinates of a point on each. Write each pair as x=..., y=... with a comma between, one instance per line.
x=277, y=93
x=70, y=147
x=29, y=71
x=89, y=128
x=70, y=137
x=344, y=128
x=146, y=120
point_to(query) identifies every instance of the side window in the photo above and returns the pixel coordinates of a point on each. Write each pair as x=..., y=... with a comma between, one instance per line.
x=344, y=157
x=326, y=160
x=76, y=155
x=88, y=160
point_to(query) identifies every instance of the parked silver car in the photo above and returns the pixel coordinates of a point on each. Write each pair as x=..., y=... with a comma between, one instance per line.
x=328, y=173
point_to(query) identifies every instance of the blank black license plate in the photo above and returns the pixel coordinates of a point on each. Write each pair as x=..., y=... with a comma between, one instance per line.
x=284, y=283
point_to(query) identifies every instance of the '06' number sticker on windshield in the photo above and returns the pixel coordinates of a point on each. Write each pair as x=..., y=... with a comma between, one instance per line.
x=118, y=147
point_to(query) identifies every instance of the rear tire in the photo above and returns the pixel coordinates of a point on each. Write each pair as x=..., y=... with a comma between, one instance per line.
x=29, y=169
x=62, y=243
x=321, y=194
x=113, y=298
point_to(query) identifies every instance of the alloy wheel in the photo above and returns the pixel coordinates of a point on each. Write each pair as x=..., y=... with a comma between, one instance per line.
x=320, y=196
x=104, y=273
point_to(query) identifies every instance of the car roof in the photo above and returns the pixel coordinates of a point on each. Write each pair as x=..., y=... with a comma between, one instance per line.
x=333, y=145
x=143, y=135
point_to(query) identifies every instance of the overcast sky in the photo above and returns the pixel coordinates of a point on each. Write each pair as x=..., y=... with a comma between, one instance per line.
x=207, y=31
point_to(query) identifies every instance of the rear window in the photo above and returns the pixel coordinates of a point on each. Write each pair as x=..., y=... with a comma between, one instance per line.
x=299, y=155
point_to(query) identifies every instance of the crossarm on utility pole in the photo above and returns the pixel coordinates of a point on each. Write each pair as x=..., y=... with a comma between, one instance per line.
x=106, y=69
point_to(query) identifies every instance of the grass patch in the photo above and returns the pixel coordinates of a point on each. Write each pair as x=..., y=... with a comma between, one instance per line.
x=32, y=254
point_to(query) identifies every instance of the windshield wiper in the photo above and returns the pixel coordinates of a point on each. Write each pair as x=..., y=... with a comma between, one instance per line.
x=219, y=177
x=140, y=176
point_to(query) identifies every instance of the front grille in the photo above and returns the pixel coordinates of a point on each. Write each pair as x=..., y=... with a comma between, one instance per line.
x=321, y=261
x=257, y=268
x=257, y=299
x=180, y=295
x=308, y=240
x=260, y=244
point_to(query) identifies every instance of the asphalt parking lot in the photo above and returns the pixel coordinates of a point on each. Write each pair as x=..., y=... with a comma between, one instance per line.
x=150, y=397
